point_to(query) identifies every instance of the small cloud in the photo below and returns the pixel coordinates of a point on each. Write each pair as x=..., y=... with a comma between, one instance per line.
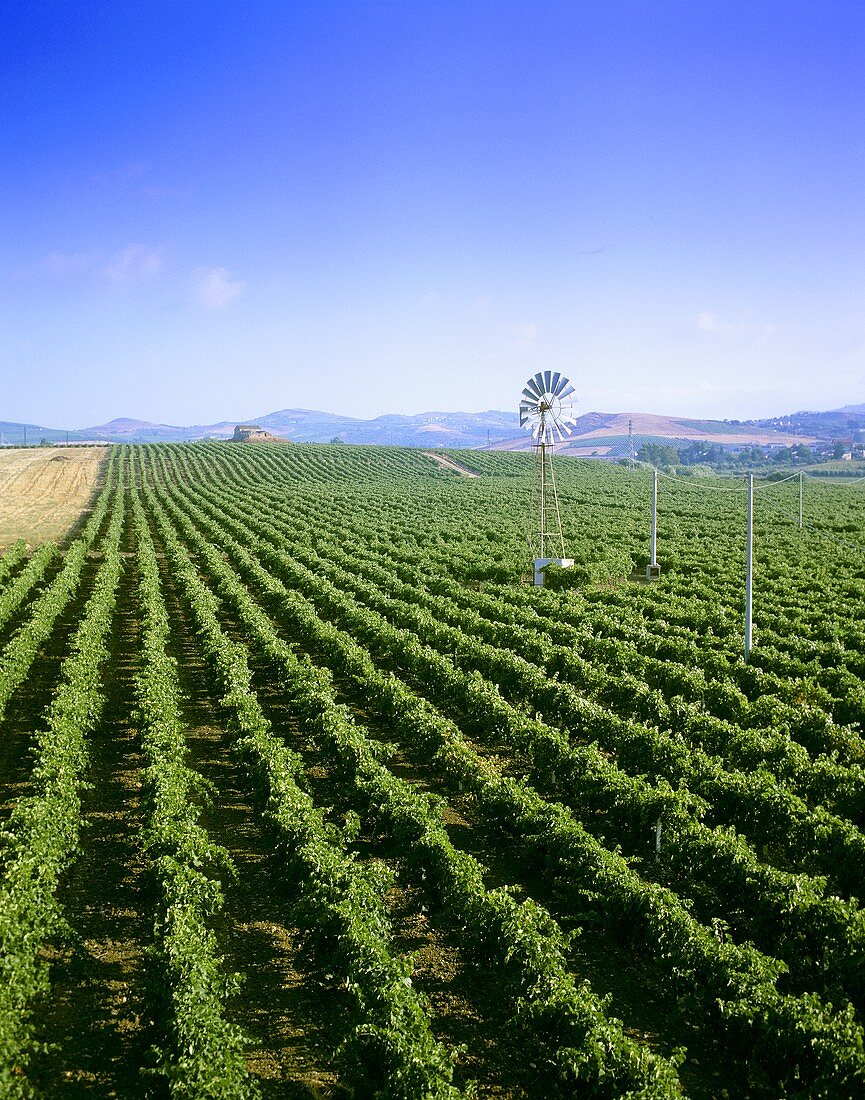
x=215, y=288
x=747, y=326
x=134, y=261
x=706, y=322
x=524, y=335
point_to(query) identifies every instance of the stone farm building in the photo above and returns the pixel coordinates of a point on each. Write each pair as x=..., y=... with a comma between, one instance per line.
x=252, y=433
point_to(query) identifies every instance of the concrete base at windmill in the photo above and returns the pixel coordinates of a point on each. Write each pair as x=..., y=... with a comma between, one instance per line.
x=542, y=563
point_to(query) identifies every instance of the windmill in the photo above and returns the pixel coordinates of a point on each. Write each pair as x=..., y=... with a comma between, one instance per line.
x=546, y=410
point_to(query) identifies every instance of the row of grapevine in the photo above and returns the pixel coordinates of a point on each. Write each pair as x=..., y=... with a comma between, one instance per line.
x=316, y=592
x=556, y=1008
x=42, y=834
x=19, y=653
x=340, y=896
x=203, y=1053
x=783, y=912
x=11, y=558
x=15, y=593
x=494, y=819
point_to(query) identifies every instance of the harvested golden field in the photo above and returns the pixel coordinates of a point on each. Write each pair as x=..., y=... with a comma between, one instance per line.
x=44, y=491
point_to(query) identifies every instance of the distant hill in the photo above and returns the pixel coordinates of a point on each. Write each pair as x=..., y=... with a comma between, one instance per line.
x=835, y=424
x=432, y=429
x=595, y=432
x=126, y=430
x=595, y=427
x=18, y=434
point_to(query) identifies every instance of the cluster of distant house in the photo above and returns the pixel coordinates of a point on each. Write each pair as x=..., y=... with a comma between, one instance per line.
x=660, y=453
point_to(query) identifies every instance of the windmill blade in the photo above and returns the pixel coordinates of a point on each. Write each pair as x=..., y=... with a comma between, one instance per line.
x=539, y=382
x=566, y=393
x=562, y=428
x=548, y=374
x=531, y=390
x=555, y=383
x=563, y=410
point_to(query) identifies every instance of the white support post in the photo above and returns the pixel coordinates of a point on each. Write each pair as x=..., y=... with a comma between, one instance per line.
x=801, y=495
x=749, y=568
x=653, y=570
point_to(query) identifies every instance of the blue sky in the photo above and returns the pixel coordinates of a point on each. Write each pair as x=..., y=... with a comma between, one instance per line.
x=212, y=210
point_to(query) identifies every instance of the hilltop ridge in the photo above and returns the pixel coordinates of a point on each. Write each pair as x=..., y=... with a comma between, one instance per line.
x=495, y=428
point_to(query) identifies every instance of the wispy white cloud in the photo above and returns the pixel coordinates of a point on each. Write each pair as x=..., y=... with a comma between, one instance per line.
x=216, y=289
x=744, y=326
x=134, y=261
x=131, y=262
x=710, y=322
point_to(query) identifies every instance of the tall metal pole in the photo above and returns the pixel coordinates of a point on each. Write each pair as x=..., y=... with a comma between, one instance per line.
x=654, y=548
x=543, y=497
x=556, y=506
x=631, y=445
x=801, y=495
x=749, y=568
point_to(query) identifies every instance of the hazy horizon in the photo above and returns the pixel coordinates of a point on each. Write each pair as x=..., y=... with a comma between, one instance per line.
x=261, y=415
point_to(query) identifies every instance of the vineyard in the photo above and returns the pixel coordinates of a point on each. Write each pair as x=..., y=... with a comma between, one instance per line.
x=306, y=793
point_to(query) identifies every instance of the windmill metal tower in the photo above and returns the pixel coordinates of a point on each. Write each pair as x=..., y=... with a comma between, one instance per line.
x=546, y=410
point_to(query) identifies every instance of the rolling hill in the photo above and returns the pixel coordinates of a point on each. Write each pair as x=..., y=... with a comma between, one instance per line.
x=595, y=432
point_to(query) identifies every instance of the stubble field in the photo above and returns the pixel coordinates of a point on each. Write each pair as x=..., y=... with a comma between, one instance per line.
x=43, y=490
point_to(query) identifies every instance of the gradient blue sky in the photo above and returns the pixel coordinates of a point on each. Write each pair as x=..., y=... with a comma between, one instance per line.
x=215, y=209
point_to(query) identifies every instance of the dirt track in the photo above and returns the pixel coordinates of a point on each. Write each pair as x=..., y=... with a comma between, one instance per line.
x=449, y=464
x=44, y=490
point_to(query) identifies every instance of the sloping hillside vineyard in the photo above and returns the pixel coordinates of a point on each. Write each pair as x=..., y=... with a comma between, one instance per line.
x=307, y=793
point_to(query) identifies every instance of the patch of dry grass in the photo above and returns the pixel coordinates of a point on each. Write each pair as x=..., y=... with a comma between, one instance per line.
x=44, y=490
